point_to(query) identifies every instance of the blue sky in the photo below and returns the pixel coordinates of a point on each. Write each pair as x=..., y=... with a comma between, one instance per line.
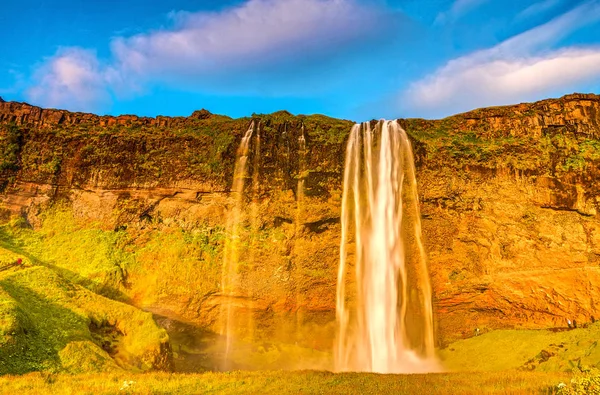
x=353, y=59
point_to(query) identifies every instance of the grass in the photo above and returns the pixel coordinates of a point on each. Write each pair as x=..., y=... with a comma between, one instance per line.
x=48, y=323
x=104, y=260
x=270, y=382
x=82, y=253
x=540, y=350
x=181, y=257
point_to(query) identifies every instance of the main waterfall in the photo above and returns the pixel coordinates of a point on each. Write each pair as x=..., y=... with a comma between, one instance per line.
x=386, y=324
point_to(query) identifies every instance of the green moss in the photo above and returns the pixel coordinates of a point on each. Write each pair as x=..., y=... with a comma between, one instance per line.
x=181, y=258
x=81, y=252
x=457, y=143
x=105, y=262
x=42, y=314
x=10, y=146
x=85, y=356
x=580, y=154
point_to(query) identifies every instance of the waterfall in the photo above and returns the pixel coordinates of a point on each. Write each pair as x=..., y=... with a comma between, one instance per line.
x=301, y=166
x=300, y=300
x=386, y=325
x=230, y=276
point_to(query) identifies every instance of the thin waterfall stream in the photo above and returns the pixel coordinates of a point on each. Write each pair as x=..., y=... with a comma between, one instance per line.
x=230, y=277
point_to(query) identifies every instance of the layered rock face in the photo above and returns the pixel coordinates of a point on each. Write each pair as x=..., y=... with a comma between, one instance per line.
x=511, y=222
x=509, y=202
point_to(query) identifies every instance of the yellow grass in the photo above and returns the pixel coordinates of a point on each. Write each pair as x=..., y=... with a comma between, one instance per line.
x=303, y=382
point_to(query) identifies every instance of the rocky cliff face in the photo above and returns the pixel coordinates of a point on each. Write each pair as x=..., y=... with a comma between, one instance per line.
x=509, y=199
x=511, y=222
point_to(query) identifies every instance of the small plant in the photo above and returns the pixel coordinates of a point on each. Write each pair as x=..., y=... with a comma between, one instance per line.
x=585, y=382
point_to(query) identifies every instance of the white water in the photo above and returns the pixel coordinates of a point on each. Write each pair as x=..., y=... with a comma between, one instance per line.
x=301, y=167
x=386, y=325
x=300, y=301
x=230, y=277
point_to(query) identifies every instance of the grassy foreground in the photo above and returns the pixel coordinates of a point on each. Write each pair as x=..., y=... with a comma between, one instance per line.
x=539, y=350
x=302, y=382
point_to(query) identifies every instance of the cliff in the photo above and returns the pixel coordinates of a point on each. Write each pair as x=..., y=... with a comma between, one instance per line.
x=509, y=203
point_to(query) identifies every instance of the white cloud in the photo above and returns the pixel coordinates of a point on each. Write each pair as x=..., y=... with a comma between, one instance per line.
x=457, y=10
x=465, y=84
x=257, y=34
x=73, y=77
x=538, y=8
x=545, y=35
x=256, y=31
x=518, y=69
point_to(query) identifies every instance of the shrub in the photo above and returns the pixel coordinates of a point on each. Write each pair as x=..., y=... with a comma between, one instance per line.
x=585, y=382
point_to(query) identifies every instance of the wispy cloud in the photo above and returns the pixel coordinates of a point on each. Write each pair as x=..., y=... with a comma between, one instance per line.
x=520, y=68
x=257, y=31
x=457, y=10
x=72, y=77
x=257, y=34
x=538, y=8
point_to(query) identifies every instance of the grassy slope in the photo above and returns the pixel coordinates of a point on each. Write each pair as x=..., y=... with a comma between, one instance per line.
x=46, y=323
x=540, y=350
x=305, y=382
x=86, y=255
x=101, y=260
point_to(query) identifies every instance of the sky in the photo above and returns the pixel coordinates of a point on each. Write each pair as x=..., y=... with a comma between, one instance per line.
x=351, y=59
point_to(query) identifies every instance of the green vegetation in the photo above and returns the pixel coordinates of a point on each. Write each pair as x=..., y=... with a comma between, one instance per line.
x=585, y=382
x=325, y=130
x=540, y=350
x=49, y=324
x=445, y=141
x=159, y=259
x=80, y=252
x=451, y=141
x=287, y=383
x=10, y=146
x=11, y=141
x=181, y=258
x=102, y=261
x=195, y=148
x=322, y=129
x=579, y=154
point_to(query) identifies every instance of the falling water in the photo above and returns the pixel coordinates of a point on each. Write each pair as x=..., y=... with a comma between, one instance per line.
x=386, y=326
x=254, y=211
x=301, y=166
x=299, y=217
x=230, y=277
